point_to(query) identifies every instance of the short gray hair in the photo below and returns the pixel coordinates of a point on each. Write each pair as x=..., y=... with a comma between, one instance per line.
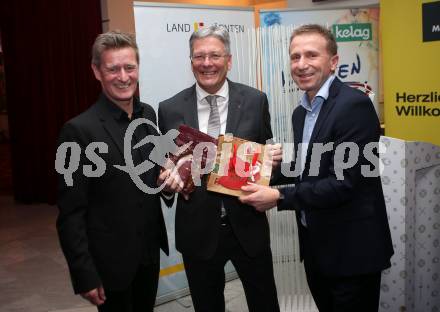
x=113, y=40
x=216, y=31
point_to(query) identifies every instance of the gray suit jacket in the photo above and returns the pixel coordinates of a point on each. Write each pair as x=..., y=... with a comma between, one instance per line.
x=198, y=219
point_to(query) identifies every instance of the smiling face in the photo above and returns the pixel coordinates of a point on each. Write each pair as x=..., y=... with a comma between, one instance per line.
x=210, y=70
x=118, y=74
x=310, y=62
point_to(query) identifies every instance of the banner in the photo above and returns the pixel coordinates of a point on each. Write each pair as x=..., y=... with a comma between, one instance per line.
x=356, y=32
x=162, y=34
x=411, y=69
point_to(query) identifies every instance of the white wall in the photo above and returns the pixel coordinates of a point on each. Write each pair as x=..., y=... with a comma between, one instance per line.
x=329, y=4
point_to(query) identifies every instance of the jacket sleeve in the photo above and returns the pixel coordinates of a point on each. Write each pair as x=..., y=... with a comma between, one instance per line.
x=71, y=225
x=357, y=124
x=168, y=198
x=266, y=129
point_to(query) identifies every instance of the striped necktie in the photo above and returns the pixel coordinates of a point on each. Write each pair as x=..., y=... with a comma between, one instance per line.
x=214, y=116
x=214, y=128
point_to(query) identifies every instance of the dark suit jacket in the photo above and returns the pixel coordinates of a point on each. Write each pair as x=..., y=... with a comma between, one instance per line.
x=102, y=221
x=198, y=219
x=346, y=219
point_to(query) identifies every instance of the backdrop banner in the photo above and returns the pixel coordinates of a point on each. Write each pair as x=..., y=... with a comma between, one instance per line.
x=163, y=32
x=411, y=67
x=356, y=32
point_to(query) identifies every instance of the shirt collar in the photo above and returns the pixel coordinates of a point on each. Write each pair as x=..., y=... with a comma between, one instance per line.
x=223, y=92
x=322, y=93
x=118, y=113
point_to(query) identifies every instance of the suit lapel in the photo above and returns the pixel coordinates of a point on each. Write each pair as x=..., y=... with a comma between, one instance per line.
x=190, y=114
x=109, y=124
x=146, y=114
x=234, y=108
x=298, y=119
x=325, y=109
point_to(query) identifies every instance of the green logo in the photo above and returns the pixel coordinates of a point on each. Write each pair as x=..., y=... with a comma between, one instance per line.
x=352, y=32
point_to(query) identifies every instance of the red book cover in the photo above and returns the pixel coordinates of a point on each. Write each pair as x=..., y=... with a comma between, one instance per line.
x=183, y=158
x=238, y=162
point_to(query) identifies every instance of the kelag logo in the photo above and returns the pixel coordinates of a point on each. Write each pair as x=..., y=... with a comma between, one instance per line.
x=352, y=32
x=431, y=21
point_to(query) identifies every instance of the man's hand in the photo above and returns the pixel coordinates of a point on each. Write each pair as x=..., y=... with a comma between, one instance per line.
x=95, y=296
x=262, y=197
x=172, y=180
x=275, y=152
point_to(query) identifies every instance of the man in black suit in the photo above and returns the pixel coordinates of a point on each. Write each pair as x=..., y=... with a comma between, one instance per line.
x=344, y=234
x=110, y=231
x=212, y=228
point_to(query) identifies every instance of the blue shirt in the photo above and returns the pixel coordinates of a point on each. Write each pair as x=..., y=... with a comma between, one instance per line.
x=312, y=113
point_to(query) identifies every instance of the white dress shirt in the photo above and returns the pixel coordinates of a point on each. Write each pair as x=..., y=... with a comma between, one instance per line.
x=203, y=108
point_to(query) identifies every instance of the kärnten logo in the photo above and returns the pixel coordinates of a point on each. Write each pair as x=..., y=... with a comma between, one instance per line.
x=184, y=27
x=352, y=32
x=198, y=25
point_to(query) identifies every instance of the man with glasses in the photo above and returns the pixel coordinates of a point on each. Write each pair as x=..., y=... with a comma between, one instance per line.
x=212, y=228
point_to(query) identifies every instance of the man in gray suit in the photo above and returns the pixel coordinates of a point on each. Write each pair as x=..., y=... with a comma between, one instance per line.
x=212, y=228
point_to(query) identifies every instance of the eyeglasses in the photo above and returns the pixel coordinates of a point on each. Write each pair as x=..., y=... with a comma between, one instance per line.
x=200, y=58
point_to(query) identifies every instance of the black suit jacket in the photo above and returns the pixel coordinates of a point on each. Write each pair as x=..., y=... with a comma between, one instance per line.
x=102, y=221
x=198, y=219
x=348, y=231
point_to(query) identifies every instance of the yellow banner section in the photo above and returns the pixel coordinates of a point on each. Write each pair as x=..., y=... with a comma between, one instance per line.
x=171, y=269
x=411, y=69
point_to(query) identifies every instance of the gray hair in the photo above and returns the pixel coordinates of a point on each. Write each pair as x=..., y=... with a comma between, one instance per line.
x=113, y=40
x=216, y=31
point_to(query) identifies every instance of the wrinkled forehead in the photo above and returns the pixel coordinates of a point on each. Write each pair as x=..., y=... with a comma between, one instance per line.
x=208, y=43
x=308, y=41
x=125, y=55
